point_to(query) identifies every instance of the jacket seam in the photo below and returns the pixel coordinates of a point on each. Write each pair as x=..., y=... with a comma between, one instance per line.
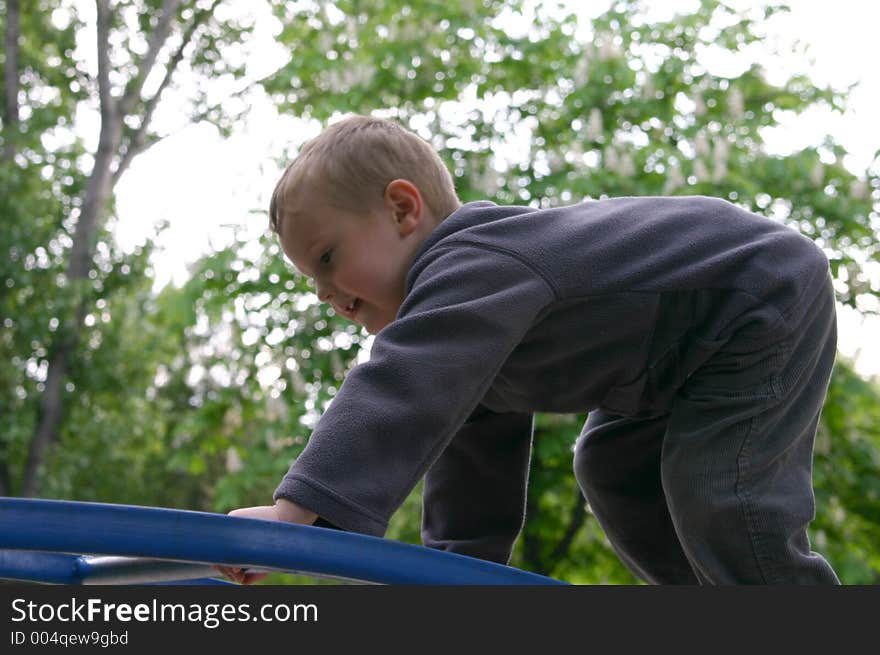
x=534, y=268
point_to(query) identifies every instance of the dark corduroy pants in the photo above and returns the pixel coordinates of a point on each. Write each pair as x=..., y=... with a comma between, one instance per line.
x=718, y=490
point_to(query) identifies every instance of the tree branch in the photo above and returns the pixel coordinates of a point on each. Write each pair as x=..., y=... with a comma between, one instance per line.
x=137, y=143
x=5, y=474
x=105, y=94
x=577, y=515
x=157, y=40
x=10, y=106
x=202, y=115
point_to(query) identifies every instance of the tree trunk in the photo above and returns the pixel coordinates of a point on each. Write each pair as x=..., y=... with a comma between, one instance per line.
x=94, y=205
x=92, y=213
x=10, y=127
x=10, y=90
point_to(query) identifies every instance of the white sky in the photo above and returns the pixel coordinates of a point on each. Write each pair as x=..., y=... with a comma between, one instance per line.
x=199, y=182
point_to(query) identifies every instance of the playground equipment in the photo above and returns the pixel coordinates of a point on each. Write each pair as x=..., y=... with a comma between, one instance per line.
x=71, y=542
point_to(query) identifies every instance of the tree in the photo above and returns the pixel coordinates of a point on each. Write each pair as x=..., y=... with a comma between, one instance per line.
x=12, y=34
x=37, y=185
x=135, y=39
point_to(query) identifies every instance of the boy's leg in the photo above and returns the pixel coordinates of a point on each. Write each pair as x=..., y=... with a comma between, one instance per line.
x=474, y=495
x=617, y=465
x=737, y=458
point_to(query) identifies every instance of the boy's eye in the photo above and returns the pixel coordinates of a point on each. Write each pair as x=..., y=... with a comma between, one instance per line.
x=325, y=258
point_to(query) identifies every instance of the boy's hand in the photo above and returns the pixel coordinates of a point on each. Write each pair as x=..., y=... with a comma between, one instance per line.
x=282, y=510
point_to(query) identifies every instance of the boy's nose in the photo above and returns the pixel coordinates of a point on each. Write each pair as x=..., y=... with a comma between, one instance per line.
x=324, y=294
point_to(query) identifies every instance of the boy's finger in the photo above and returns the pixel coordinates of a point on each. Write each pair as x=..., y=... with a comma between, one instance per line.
x=238, y=575
x=233, y=573
x=251, y=578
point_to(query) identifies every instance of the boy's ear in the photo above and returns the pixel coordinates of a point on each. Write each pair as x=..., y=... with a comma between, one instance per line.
x=404, y=200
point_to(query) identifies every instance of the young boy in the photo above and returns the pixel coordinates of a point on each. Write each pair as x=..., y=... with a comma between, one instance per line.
x=699, y=337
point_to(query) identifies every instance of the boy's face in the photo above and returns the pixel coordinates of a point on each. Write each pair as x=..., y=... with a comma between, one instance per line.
x=358, y=261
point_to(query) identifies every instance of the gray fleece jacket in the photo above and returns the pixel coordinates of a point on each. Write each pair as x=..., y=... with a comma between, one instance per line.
x=607, y=304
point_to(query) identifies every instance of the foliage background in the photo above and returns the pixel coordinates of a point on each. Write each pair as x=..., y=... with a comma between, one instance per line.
x=199, y=395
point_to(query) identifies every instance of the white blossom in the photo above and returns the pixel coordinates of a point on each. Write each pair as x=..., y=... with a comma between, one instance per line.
x=610, y=159
x=648, y=90
x=721, y=154
x=352, y=76
x=627, y=166
x=701, y=144
x=233, y=461
x=581, y=70
x=817, y=175
x=722, y=151
x=594, y=125
x=699, y=104
x=609, y=50
x=409, y=32
x=351, y=27
x=326, y=41
x=487, y=182
x=700, y=171
x=674, y=179
x=860, y=190
x=297, y=381
x=273, y=444
x=336, y=364
x=736, y=103
x=334, y=80
x=276, y=408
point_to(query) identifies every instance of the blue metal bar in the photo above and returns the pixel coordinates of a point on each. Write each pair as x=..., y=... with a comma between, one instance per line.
x=66, y=568
x=114, y=569
x=59, y=568
x=59, y=526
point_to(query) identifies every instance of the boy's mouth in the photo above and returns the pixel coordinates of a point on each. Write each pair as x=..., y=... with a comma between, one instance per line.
x=352, y=307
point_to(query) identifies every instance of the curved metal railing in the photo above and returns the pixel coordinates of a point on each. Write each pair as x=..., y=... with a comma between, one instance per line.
x=72, y=542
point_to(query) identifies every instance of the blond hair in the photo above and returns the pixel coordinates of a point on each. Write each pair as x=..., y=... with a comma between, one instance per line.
x=352, y=161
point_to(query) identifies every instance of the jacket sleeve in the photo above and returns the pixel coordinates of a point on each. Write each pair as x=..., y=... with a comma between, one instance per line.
x=475, y=493
x=467, y=309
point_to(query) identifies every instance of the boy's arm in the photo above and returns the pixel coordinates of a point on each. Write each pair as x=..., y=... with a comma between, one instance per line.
x=282, y=510
x=468, y=308
x=475, y=493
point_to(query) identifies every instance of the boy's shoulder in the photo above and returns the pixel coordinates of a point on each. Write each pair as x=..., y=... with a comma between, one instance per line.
x=525, y=229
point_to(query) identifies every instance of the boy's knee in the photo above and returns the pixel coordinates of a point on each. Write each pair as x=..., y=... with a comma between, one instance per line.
x=614, y=453
x=597, y=467
x=580, y=463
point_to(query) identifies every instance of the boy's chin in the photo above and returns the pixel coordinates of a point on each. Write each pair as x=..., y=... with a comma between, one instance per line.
x=374, y=326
